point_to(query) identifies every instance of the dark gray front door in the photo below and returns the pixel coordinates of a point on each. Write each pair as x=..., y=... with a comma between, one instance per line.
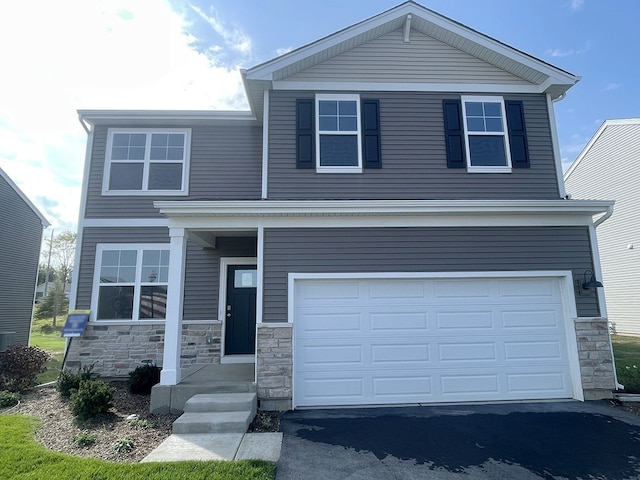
x=240, y=331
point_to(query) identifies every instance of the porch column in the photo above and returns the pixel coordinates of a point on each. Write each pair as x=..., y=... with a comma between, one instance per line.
x=170, y=374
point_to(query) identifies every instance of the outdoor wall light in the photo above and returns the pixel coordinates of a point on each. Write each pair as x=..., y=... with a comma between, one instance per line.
x=586, y=286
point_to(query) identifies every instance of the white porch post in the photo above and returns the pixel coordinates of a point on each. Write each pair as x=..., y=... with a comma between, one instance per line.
x=170, y=374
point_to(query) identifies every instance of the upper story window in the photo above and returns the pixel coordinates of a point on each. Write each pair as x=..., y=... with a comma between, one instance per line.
x=131, y=282
x=338, y=136
x=486, y=138
x=147, y=162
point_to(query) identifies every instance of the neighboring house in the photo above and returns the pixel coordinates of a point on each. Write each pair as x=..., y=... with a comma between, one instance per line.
x=609, y=166
x=21, y=227
x=386, y=225
x=40, y=289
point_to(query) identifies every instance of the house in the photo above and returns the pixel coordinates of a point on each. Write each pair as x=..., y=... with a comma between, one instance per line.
x=21, y=227
x=387, y=224
x=609, y=167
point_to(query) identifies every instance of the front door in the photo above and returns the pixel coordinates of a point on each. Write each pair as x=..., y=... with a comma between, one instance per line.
x=240, y=310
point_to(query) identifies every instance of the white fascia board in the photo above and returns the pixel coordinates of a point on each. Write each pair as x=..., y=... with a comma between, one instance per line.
x=594, y=139
x=97, y=117
x=239, y=215
x=25, y=199
x=407, y=87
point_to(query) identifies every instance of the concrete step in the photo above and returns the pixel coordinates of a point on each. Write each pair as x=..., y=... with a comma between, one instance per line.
x=222, y=402
x=216, y=422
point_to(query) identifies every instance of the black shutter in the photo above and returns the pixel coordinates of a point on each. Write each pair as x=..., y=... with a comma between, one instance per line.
x=517, y=134
x=454, y=133
x=305, y=134
x=371, y=134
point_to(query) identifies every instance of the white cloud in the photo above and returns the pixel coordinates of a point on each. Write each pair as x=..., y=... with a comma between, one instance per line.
x=576, y=4
x=611, y=86
x=79, y=54
x=232, y=36
x=556, y=52
x=282, y=51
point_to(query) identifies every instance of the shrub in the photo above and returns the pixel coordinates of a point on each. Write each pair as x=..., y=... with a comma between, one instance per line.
x=629, y=376
x=91, y=398
x=84, y=439
x=141, y=423
x=143, y=378
x=49, y=329
x=68, y=381
x=20, y=366
x=8, y=399
x=123, y=445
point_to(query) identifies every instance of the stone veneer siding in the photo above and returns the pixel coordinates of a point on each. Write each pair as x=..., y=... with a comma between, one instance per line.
x=118, y=349
x=275, y=365
x=596, y=358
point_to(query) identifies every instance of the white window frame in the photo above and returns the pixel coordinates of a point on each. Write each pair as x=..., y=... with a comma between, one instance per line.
x=184, y=190
x=504, y=134
x=137, y=284
x=358, y=133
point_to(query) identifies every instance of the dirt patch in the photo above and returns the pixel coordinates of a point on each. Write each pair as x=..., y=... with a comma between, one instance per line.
x=59, y=427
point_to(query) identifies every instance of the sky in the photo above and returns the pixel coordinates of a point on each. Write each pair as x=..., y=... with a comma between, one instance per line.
x=58, y=57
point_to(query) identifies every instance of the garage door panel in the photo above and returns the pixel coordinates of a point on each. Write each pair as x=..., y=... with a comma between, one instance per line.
x=400, y=353
x=553, y=383
x=466, y=352
x=392, y=322
x=407, y=387
x=319, y=292
x=531, y=349
x=398, y=291
x=469, y=384
x=331, y=322
x=455, y=318
x=531, y=316
x=426, y=340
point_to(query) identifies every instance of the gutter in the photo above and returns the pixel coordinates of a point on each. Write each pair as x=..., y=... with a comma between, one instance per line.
x=604, y=217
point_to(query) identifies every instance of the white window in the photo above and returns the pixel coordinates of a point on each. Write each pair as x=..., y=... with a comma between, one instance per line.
x=147, y=162
x=131, y=282
x=486, y=138
x=338, y=143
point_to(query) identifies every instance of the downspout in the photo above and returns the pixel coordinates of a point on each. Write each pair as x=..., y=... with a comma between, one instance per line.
x=596, y=224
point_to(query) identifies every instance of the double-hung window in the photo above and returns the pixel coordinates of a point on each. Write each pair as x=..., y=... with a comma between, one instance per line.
x=486, y=136
x=338, y=133
x=147, y=162
x=131, y=282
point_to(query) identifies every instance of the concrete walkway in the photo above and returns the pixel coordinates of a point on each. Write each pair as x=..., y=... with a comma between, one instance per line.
x=218, y=446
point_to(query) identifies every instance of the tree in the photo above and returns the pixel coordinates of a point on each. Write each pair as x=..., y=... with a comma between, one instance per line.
x=63, y=249
x=54, y=304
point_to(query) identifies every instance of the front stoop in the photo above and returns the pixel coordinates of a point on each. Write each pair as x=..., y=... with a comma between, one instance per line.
x=217, y=413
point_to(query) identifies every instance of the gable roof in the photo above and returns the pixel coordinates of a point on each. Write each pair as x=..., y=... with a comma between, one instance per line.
x=3, y=174
x=548, y=78
x=607, y=124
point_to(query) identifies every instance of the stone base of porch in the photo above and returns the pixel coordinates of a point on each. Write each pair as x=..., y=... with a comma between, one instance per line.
x=219, y=378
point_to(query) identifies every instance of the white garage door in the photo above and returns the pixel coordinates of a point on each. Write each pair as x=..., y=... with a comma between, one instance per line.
x=390, y=341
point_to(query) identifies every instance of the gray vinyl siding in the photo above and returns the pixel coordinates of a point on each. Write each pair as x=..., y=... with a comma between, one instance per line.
x=610, y=171
x=422, y=60
x=202, y=266
x=20, y=240
x=226, y=163
x=357, y=250
x=414, y=164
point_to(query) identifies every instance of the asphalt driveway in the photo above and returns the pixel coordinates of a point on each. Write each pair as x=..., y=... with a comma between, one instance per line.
x=559, y=440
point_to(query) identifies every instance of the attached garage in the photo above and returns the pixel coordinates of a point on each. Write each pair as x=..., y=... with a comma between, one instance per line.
x=362, y=339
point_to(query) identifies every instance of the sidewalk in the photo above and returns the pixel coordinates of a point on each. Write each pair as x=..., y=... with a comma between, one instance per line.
x=218, y=446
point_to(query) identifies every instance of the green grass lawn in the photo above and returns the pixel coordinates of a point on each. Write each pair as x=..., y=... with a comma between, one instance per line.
x=52, y=343
x=22, y=457
x=626, y=351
